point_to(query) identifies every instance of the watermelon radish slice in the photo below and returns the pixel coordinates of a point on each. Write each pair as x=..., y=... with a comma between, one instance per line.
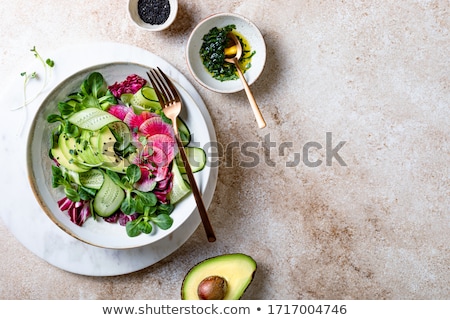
x=151, y=178
x=165, y=143
x=134, y=121
x=153, y=157
x=119, y=111
x=154, y=126
x=147, y=181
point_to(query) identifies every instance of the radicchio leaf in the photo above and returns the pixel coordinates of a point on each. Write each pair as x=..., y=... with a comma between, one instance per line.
x=131, y=84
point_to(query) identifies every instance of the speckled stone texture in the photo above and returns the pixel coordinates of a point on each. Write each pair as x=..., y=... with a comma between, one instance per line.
x=360, y=83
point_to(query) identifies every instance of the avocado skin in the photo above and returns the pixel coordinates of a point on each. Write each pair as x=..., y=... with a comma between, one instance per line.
x=237, y=268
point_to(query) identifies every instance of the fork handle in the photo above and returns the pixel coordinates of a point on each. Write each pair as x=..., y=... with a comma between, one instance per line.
x=198, y=198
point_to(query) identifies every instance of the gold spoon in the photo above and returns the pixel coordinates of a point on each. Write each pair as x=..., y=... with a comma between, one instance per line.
x=232, y=55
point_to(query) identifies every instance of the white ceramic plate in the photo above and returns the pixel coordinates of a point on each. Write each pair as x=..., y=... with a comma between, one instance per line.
x=98, y=232
x=22, y=214
x=243, y=26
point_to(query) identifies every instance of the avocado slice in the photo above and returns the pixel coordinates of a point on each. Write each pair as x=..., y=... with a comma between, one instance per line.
x=105, y=144
x=237, y=269
x=65, y=154
x=87, y=152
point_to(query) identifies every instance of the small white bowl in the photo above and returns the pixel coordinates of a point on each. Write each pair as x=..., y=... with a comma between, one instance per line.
x=134, y=15
x=243, y=26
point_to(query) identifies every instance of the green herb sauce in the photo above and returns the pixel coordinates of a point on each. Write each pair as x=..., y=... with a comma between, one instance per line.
x=213, y=56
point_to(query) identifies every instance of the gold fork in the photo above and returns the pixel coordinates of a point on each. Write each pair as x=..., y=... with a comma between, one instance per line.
x=171, y=103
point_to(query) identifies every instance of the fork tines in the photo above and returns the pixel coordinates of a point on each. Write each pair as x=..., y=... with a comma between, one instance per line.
x=164, y=88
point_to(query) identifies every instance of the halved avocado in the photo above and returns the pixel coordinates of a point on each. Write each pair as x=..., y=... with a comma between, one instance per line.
x=226, y=276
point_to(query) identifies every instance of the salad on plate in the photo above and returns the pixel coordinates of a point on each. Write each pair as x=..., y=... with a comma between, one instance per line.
x=115, y=155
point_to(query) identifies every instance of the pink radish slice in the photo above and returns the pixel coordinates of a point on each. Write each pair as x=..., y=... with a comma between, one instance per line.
x=154, y=126
x=151, y=176
x=134, y=121
x=165, y=143
x=119, y=111
x=158, y=158
x=146, y=182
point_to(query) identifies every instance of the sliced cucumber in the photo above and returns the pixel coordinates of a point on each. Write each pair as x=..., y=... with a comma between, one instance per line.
x=92, y=179
x=145, y=99
x=180, y=187
x=149, y=93
x=185, y=134
x=108, y=198
x=196, y=157
x=122, y=134
x=126, y=98
x=92, y=119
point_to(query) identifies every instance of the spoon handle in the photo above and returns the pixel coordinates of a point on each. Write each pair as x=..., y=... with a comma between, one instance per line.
x=259, y=117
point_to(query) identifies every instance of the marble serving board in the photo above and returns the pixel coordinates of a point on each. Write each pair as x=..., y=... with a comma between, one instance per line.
x=22, y=213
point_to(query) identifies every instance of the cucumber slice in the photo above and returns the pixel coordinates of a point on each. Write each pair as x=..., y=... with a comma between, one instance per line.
x=145, y=99
x=122, y=134
x=180, y=187
x=185, y=134
x=149, y=93
x=92, y=179
x=196, y=157
x=108, y=198
x=126, y=98
x=92, y=119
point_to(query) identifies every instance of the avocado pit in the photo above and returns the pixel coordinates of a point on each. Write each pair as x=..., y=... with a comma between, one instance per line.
x=212, y=288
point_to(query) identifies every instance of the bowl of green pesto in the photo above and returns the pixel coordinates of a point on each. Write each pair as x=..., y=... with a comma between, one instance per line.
x=206, y=47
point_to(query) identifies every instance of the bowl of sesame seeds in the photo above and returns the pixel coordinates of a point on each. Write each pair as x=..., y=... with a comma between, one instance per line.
x=153, y=15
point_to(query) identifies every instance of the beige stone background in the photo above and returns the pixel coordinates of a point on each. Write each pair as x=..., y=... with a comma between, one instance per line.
x=374, y=74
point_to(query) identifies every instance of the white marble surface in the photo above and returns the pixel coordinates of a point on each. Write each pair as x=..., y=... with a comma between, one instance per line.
x=375, y=75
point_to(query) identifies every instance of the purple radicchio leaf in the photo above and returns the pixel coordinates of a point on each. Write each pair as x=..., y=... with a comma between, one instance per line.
x=131, y=84
x=79, y=212
x=124, y=218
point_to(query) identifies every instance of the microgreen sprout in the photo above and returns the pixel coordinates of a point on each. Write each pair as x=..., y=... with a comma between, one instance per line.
x=48, y=65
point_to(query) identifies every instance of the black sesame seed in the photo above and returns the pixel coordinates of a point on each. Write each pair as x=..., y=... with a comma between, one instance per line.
x=154, y=11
